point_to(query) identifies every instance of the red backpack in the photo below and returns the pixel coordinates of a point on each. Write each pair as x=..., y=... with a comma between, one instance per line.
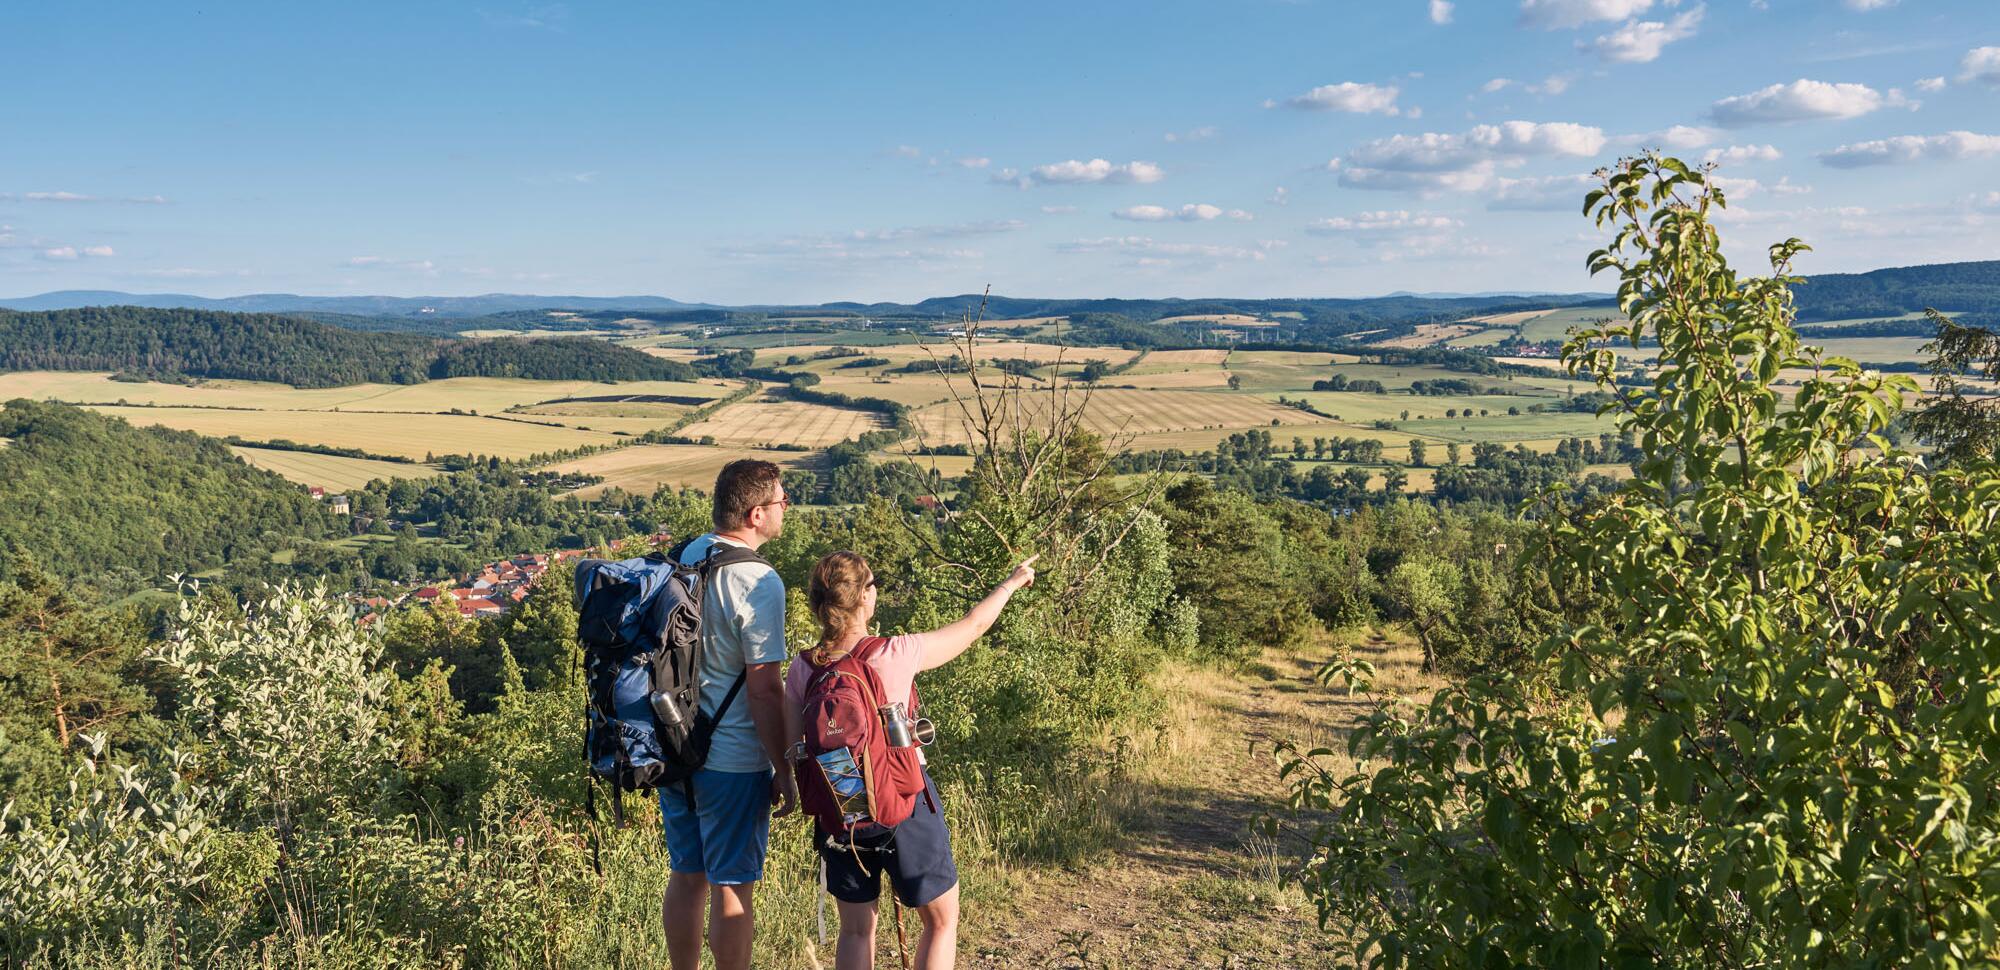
x=851, y=780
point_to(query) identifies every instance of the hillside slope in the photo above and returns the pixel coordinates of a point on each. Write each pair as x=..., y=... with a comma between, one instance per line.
x=92, y=497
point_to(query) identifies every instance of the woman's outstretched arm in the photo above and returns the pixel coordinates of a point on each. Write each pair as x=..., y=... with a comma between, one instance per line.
x=947, y=642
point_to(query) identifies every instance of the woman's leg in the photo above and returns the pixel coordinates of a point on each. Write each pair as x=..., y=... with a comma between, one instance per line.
x=855, y=946
x=937, y=945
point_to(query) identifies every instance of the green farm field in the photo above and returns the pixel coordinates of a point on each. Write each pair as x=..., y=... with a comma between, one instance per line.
x=330, y=471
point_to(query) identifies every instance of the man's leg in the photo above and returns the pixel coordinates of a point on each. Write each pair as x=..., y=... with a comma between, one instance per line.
x=682, y=912
x=937, y=945
x=732, y=925
x=855, y=947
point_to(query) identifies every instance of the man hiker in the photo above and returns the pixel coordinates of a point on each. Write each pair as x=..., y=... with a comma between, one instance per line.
x=716, y=845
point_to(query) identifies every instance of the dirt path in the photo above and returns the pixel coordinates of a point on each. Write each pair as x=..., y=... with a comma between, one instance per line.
x=1194, y=883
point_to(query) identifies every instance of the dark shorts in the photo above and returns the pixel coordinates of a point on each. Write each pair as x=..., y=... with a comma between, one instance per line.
x=915, y=854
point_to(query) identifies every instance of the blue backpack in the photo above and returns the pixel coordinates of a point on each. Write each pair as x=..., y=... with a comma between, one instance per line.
x=640, y=624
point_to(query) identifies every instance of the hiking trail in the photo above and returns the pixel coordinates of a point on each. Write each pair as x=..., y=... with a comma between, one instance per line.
x=1193, y=882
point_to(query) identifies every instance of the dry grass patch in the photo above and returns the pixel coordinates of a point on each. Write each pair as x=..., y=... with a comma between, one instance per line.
x=332, y=472
x=765, y=420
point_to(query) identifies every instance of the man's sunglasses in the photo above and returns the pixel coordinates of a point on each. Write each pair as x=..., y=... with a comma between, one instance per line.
x=783, y=503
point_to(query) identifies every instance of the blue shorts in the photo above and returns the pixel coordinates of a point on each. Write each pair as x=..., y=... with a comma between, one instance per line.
x=916, y=854
x=725, y=836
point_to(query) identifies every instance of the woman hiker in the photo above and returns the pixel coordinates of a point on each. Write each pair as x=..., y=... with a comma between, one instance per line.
x=842, y=595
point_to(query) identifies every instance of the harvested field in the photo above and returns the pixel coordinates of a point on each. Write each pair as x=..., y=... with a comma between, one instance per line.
x=403, y=435
x=1513, y=319
x=1138, y=412
x=1171, y=359
x=915, y=390
x=766, y=420
x=1483, y=338
x=331, y=472
x=1210, y=378
x=642, y=469
x=1431, y=334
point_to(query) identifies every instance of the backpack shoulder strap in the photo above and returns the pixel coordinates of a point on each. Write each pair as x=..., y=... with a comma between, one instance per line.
x=723, y=554
x=869, y=647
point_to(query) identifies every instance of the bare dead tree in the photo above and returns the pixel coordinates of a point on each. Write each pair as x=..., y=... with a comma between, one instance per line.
x=1037, y=454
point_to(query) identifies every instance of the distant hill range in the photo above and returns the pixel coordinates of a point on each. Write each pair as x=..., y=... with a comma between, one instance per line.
x=1960, y=287
x=443, y=306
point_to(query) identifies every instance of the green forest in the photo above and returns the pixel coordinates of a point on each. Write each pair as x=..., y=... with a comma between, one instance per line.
x=169, y=344
x=94, y=499
x=1740, y=710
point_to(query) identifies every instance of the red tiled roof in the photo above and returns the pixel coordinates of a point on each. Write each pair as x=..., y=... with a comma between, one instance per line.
x=471, y=607
x=428, y=593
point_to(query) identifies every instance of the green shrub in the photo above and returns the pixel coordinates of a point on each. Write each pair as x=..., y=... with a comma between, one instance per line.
x=1778, y=746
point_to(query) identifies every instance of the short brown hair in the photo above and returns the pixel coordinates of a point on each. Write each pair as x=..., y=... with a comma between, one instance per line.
x=838, y=583
x=743, y=485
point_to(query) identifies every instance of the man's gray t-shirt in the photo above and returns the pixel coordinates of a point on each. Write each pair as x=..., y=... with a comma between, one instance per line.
x=742, y=623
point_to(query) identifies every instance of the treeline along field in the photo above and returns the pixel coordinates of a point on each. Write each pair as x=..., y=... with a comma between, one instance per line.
x=288, y=350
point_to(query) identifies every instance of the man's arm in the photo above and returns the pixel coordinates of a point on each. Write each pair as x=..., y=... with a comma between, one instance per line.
x=765, y=683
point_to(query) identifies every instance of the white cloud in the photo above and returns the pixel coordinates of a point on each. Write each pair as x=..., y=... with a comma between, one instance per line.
x=1736, y=154
x=1641, y=41
x=1441, y=11
x=80, y=197
x=1980, y=64
x=1497, y=84
x=954, y=231
x=1552, y=85
x=1436, y=162
x=1280, y=196
x=1930, y=85
x=1192, y=212
x=1560, y=14
x=1678, y=138
x=59, y=252
x=1057, y=210
x=1203, y=133
x=974, y=162
x=1902, y=149
x=1553, y=193
x=1470, y=179
x=1867, y=5
x=99, y=251
x=1801, y=100
x=1350, y=97
x=1386, y=220
x=1075, y=172
x=907, y=151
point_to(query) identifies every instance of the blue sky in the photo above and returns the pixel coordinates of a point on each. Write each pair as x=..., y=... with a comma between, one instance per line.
x=794, y=152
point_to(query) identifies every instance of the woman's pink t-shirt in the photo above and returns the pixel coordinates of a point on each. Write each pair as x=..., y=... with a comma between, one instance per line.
x=897, y=664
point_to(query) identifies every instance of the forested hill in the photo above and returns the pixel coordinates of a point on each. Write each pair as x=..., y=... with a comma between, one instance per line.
x=288, y=350
x=1964, y=288
x=94, y=498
